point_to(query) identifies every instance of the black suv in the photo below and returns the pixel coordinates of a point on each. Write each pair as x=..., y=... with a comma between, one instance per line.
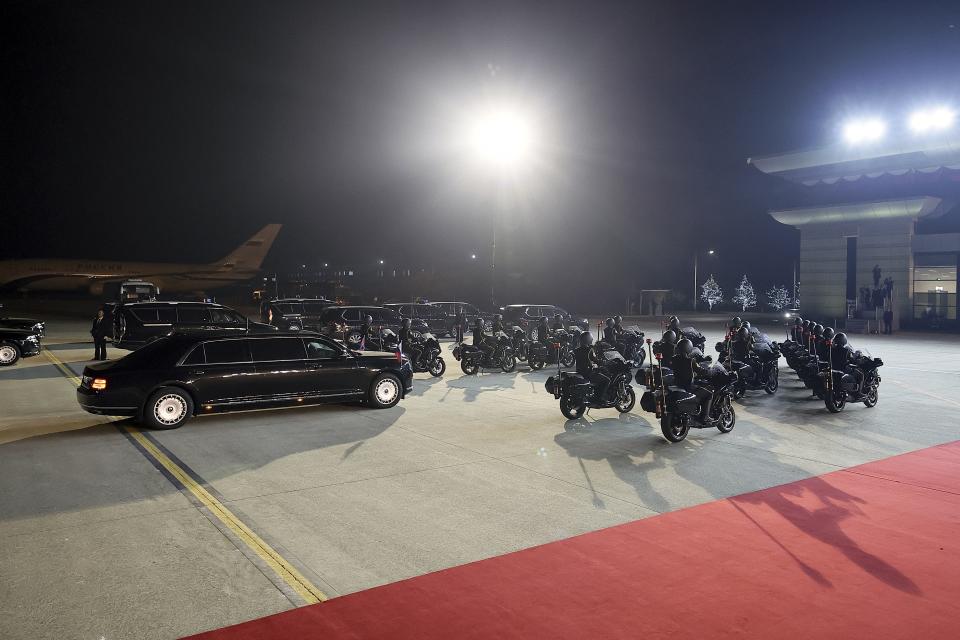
x=528, y=316
x=343, y=323
x=18, y=342
x=436, y=319
x=453, y=309
x=294, y=314
x=184, y=374
x=29, y=324
x=136, y=324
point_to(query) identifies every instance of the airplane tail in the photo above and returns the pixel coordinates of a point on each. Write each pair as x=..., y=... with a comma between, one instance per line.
x=249, y=256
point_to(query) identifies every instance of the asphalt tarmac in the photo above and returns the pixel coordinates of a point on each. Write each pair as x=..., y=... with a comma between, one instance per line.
x=110, y=532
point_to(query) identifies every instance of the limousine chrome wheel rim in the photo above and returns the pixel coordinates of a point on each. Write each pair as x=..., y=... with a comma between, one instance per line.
x=7, y=354
x=387, y=390
x=170, y=409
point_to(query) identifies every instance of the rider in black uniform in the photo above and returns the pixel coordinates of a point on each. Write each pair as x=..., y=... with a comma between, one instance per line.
x=687, y=367
x=557, y=322
x=587, y=364
x=365, y=331
x=610, y=332
x=497, y=324
x=407, y=344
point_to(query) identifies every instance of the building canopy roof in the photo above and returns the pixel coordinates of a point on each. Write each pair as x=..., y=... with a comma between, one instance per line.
x=846, y=162
x=910, y=208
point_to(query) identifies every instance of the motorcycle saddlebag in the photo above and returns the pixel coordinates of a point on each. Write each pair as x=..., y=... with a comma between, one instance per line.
x=551, y=385
x=648, y=402
x=682, y=401
x=848, y=382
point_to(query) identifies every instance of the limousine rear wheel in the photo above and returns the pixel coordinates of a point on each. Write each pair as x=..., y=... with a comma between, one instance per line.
x=167, y=408
x=385, y=391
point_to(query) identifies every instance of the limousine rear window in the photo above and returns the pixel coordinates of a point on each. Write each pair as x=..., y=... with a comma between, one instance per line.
x=270, y=349
x=226, y=351
x=193, y=314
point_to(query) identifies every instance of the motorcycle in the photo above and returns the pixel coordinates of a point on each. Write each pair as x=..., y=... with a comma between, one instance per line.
x=520, y=343
x=630, y=346
x=472, y=358
x=429, y=359
x=577, y=394
x=385, y=340
x=760, y=371
x=560, y=350
x=858, y=383
x=679, y=410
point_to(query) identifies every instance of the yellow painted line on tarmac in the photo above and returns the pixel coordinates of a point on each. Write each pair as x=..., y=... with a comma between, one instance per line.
x=300, y=584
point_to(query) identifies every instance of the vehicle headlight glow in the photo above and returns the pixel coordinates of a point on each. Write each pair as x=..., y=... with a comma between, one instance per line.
x=864, y=130
x=936, y=119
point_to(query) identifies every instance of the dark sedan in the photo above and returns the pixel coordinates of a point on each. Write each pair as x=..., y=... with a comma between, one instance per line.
x=184, y=374
x=16, y=343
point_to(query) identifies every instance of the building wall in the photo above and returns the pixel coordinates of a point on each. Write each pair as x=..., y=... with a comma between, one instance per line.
x=823, y=264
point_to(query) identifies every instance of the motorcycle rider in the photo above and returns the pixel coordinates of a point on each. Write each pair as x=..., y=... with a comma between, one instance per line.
x=610, y=332
x=735, y=325
x=687, y=368
x=407, y=343
x=588, y=366
x=557, y=322
x=366, y=331
x=544, y=335
x=618, y=326
x=666, y=346
x=497, y=324
x=480, y=340
x=674, y=324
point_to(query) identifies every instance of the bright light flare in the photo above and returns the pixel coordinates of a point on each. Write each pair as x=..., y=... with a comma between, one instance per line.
x=865, y=130
x=501, y=135
x=927, y=120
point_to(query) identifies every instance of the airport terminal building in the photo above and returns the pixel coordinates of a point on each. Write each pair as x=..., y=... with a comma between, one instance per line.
x=879, y=230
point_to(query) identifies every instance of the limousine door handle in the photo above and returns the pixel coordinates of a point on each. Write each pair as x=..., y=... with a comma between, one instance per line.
x=197, y=372
x=313, y=365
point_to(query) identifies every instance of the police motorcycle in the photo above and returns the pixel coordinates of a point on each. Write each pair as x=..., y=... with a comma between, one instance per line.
x=519, y=342
x=852, y=376
x=577, y=394
x=679, y=409
x=793, y=345
x=500, y=356
x=759, y=369
x=655, y=376
x=632, y=341
x=558, y=348
x=382, y=340
x=810, y=372
x=690, y=333
x=429, y=359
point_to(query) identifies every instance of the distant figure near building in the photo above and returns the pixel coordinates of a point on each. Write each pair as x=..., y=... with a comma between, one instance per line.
x=99, y=333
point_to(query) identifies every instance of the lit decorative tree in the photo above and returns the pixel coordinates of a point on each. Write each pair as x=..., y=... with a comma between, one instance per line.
x=744, y=295
x=712, y=293
x=777, y=298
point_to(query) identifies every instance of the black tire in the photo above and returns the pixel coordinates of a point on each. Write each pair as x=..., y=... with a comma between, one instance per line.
x=739, y=391
x=534, y=334
x=834, y=402
x=569, y=359
x=673, y=428
x=536, y=363
x=353, y=339
x=167, y=408
x=773, y=381
x=508, y=363
x=626, y=406
x=872, y=397
x=9, y=354
x=437, y=367
x=385, y=391
x=728, y=418
x=469, y=368
x=521, y=354
x=570, y=410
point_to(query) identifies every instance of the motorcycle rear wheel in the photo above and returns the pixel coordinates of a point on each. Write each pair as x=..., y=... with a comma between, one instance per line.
x=508, y=363
x=468, y=367
x=773, y=381
x=570, y=410
x=568, y=359
x=673, y=427
x=835, y=402
x=728, y=418
x=437, y=367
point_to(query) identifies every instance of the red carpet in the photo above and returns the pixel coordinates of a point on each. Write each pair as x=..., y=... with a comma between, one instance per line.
x=868, y=552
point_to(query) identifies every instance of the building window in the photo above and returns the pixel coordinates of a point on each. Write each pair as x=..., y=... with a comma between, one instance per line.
x=935, y=287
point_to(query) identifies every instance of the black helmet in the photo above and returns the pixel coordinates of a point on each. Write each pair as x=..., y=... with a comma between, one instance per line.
x=674, y=323
x=840, y=340
x=798, y=320
x=406, y=323
x=828, y=333
x=368, y=319
x=558, y=316
x=617, y=319
x=743, y=333
x=818, y=330
x=737, y=322
x=586, y=339
x=609, y=322
x=746, y=325
x=685, y=348
x=477, y=322
x=669, y=337
x=543, y=320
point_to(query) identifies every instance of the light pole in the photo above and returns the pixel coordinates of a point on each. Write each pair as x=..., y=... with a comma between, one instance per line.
x=696, y=284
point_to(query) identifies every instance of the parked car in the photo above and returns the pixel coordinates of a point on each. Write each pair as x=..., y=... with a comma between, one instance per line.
x=29, y=324
x=18, y=342
x=436, y=319
x=187, y=373
x=136, y=324
x=294, y=314
x=528, y=316
x=343, y=323
x=453, y=309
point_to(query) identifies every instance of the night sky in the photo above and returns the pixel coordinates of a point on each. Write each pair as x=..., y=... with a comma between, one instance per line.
x=174, y=130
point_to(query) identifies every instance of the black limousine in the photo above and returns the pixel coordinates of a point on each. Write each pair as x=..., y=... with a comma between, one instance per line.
x=18, y=342
x=188, y=373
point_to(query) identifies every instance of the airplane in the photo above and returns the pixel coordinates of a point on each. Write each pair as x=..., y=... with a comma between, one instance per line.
x=93, y=275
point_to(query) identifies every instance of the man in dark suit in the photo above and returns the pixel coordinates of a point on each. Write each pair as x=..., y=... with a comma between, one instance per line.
x=99, y=331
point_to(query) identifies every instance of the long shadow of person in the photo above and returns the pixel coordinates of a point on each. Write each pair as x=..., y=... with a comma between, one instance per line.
x=472, y=386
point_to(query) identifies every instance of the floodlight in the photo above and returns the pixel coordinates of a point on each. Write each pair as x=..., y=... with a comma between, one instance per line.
x=864, y=130
x=501, y=135
x=936, y=119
